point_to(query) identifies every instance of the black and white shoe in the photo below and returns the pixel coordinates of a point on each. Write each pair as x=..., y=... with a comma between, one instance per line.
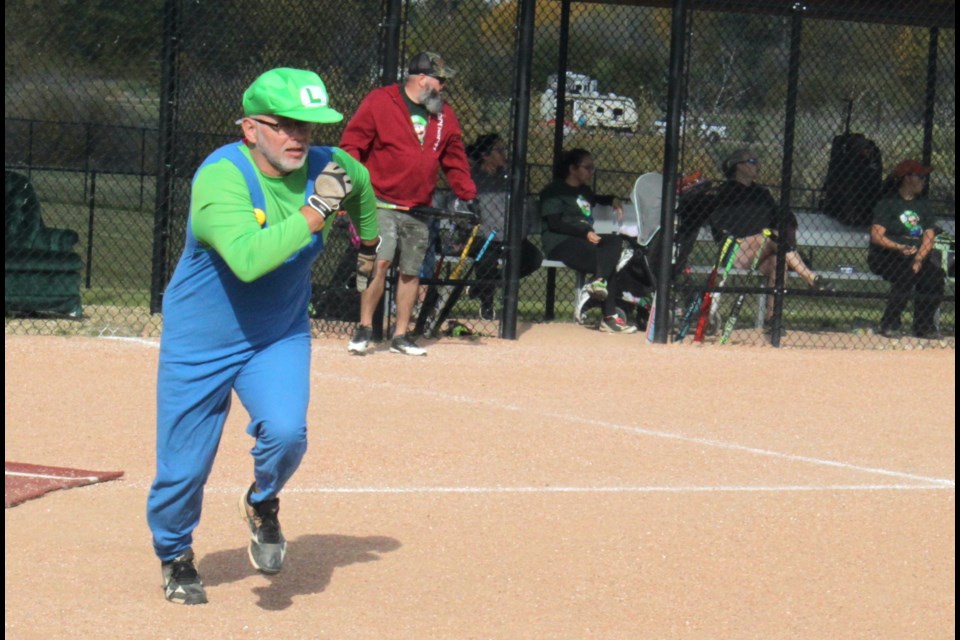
x=360, y=340
x=406, y=346
x=267, y=547
x=616, y=324
x=487, y=311
x=181, y=582
x=597, y=289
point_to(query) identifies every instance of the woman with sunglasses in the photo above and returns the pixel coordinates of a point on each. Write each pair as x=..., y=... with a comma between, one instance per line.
x=901, y=243
x=744, y=209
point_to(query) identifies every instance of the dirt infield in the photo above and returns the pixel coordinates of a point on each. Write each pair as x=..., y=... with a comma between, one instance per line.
x=567, y=485
x=22, y=482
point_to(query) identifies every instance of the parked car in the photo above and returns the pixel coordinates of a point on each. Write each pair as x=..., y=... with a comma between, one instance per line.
x=709, y=131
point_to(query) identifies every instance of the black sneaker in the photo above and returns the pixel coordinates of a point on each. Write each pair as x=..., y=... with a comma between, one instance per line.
x=360, y=340
x=615, y=324
x=819, y=284
x=267, y=544
x=486, y=310
x=928, y=334
x=597, y=289
x=888, y=331
x=768, y=328
x=181, y=582
x=406, y=346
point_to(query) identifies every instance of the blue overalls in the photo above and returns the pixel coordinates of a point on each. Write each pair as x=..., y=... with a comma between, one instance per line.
x=222, y=334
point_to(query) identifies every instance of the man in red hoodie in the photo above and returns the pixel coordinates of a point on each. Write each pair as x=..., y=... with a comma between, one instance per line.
x=404, y=134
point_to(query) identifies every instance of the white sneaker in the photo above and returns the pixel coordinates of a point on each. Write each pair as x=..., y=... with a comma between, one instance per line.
x=406, y=346
x=597, y=289
x=615, y=324
x=582, y=302
x=360, y=340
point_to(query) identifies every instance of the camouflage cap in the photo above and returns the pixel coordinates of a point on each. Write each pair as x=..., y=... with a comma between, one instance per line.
x=431, y=64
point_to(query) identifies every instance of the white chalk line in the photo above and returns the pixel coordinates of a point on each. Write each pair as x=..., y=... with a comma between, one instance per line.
x=706, y=442
x=718, y=444
x=145, y=341
x=46, y=476
x=615, y=489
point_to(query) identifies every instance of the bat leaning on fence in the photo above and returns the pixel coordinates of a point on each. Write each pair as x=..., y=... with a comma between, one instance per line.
x=711, y=301
x=431, y=301
x=352, y=230
x=433, y=212
x=696, y=304
x=457, y=291
x=738, y=304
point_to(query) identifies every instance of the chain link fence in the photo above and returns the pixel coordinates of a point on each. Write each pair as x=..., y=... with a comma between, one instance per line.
x=110, y=108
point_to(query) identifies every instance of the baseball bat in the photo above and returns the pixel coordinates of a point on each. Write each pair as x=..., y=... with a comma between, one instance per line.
x=433, y=212
x=711, y=301
x=352, y=230
x=738, y=304
x=696, y=305
x=432, y=301
x=457, y=291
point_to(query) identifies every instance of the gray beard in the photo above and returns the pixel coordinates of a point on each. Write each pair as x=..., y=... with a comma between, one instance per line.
x=431, y=100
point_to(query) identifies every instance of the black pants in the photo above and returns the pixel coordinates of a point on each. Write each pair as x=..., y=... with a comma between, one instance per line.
x=488, y=268
x=926, y=287
x=598, y=259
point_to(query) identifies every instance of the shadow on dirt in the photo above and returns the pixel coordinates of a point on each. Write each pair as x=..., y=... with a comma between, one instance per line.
x=311, y=561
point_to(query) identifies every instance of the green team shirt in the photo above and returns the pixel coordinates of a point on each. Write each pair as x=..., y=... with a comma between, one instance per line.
x=572, y=204
x=904, y=220
x=419, y=116
x=222, y=215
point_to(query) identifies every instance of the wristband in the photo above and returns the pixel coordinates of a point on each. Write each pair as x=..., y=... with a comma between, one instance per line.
x=319, y=205
x=371, y=250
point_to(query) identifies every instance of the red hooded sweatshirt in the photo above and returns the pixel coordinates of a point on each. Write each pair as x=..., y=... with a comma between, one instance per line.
x=381, y=136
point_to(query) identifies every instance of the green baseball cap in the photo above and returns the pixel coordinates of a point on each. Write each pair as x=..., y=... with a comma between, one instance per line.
x=291, y=93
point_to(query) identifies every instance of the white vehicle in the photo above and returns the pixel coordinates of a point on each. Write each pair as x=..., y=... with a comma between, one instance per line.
x=588, y=107
x=711, y=132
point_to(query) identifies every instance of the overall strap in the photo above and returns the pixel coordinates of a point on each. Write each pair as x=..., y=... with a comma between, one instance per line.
x=233, y=153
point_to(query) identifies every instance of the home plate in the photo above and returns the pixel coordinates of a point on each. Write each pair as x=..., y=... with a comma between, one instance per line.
x=22, y=482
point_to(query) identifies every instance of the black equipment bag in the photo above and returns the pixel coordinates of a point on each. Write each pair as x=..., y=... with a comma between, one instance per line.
x=854, y=179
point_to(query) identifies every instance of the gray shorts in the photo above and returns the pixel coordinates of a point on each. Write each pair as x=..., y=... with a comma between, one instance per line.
x=405, y=233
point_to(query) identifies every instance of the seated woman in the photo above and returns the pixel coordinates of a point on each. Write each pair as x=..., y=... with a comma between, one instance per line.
x=901, y=241
x=488, y=161
x=742, y=208
x=568, y=235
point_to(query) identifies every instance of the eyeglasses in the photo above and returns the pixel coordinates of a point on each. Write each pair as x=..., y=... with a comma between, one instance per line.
x=753, y=161
x=289, y=127
x=442, y=81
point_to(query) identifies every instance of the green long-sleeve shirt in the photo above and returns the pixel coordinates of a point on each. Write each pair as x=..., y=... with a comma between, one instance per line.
x=222, y=215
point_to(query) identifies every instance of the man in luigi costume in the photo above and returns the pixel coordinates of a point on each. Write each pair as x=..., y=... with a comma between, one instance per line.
x=235, y=315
